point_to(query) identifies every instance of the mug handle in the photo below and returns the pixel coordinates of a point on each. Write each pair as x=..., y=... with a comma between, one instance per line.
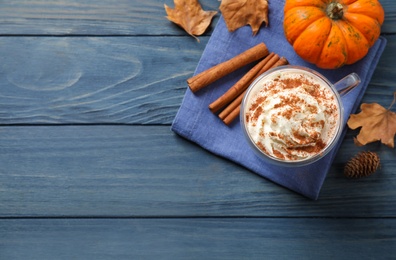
x=346, y=84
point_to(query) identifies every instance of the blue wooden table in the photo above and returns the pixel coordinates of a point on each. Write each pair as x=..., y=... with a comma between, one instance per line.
x=91, y=170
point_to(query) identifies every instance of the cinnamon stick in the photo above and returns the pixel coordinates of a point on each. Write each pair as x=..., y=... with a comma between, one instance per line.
x=231, y=112
x=206, y=77
x=234, y=104
x=281, y=62
x=232, y=116
x=242, y=84
x=270, y=64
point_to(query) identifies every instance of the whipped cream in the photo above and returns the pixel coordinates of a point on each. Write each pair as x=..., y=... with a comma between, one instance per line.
x=292, y=115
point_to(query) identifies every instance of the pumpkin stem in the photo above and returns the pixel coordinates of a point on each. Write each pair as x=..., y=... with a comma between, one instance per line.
x=335, y=11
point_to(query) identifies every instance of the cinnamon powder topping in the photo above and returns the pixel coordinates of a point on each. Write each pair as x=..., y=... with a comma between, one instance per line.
x=294, y=113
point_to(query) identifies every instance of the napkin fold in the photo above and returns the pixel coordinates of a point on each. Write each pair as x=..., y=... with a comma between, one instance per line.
x=195, y=122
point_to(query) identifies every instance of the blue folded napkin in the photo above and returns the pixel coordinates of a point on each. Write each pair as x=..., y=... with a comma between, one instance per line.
x=195, y=122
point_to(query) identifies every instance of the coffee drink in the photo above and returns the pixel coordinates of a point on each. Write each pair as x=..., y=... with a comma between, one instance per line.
x=291, y=114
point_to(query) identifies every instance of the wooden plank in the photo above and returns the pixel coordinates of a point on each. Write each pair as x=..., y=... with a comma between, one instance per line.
x=94, y=80
x=390, y=16
x=127, y=17
x=90, y=17
x=122, y=80
x=148, y=171
x=198, y=238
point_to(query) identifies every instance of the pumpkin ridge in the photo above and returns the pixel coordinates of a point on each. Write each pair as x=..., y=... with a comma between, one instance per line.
x=370, y=38
x=333, y=54
x=355, y=42
x=310, y=42
x=370, y=8
x=299, y=23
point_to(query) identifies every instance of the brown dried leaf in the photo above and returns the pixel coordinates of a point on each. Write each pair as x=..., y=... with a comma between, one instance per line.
x=238, y=13
x=377, y=122
x=189, y=15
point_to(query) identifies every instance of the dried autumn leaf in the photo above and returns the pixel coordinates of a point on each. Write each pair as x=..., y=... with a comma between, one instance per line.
x=238, y=13
x=377, y=122
x=189, y=15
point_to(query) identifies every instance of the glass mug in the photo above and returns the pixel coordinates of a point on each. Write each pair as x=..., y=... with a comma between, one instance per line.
x=293, y=116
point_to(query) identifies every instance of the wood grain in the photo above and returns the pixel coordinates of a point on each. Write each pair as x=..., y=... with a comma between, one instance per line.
x=208, y=238
x=90, y=17
x=120, y=80
x=94, y=80
x=148, y=171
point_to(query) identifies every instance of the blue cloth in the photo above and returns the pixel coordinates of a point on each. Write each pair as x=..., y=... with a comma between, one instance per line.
x=195, y=122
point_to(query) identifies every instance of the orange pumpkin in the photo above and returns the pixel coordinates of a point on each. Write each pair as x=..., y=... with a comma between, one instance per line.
x=332, y=33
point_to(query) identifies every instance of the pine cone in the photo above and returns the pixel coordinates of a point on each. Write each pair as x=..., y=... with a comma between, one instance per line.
x=362, y=165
